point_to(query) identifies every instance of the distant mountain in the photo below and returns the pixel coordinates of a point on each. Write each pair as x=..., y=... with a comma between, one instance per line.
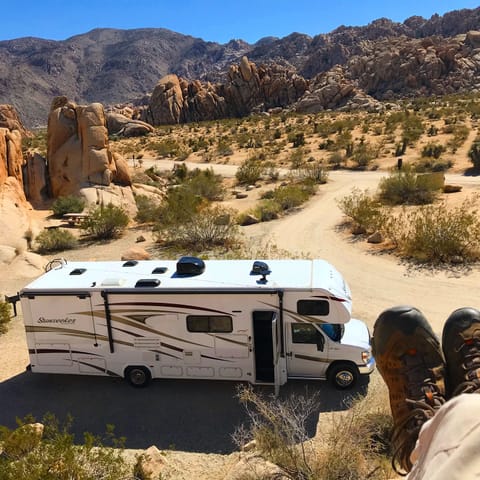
x=113, y=66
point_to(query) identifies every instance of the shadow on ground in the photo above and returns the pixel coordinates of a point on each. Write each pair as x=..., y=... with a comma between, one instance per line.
x=187, y=415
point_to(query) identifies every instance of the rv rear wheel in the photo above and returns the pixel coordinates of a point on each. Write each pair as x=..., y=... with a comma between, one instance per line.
x=138, y=376
x=343, y=375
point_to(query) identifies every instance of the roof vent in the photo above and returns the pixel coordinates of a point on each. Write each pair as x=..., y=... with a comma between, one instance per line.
x=78, y=271
x=147, y=282
x=159, y=270
x=190, y=266
x=130, y=263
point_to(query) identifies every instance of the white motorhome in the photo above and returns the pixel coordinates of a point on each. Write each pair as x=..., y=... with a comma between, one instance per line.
x=238, y=320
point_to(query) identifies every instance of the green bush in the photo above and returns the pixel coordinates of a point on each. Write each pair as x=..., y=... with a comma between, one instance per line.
x=293, y=195
x=5, y=316
x=70, y=204
x=363, y=209
x=105, y=222
x=474, y=153
x=55, y=240
x=433, y=150
x=249, y=172
x=267, y=210
x=29, y=455
x=206, y=228
x=436, y=233
x=147, y=209
x=406, y=187
x=205, y=183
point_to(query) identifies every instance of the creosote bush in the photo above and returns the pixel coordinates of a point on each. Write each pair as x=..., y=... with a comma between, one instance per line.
x=249, y=172
x=147, y=209
x=407, y=187
x=364, y=209
x=30, y=455
x=5, y=316
x=353, y=444
x=437, y=233
x=55, y=240
x=70, y=204
x=105, y=222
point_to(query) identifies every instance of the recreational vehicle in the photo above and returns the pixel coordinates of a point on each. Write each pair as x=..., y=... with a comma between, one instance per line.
x=240, y=320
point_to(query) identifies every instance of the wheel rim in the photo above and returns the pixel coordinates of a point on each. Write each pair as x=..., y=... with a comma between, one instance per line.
x=344, y=378
x=138, y=377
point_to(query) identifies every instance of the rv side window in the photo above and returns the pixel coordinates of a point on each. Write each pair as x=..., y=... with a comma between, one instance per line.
x=304, y=333
x=313, y=307
x=209, y=323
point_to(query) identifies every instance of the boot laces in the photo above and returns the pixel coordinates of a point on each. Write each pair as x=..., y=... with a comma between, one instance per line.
x=423, y=403
x=470, y=351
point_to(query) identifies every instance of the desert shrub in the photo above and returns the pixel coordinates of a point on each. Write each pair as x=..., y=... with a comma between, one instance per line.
x=293, y=195
x=105, y=222
x=267, y=210
x=430, y=165
x=207, y=227
x=437, y=233
x=335, y=159
x=205, y=183
x=70, y=204
x=433, y=150
x=363, y=153
x=405, y=187
x=280, y=429
x=55, y=240
x=5, y=316
x=363, y=431
x=474, y=153
x=314, y=172
x=147, y=209
x=363, y=209
x=29, y=455
x=249, y=172
x=297, y=158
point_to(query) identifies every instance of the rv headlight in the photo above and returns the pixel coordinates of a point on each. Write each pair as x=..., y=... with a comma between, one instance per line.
x=366, y=356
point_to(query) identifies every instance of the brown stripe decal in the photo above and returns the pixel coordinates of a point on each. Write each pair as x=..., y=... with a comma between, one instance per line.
x=311, y=359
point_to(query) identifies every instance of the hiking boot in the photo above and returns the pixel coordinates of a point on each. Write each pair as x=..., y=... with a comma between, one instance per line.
x=461, y=347
x=410, y=360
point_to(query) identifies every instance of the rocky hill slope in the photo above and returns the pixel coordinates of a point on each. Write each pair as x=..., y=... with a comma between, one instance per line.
x=111, y=66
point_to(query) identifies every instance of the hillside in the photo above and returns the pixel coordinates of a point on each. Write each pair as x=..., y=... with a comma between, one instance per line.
x=112, y=66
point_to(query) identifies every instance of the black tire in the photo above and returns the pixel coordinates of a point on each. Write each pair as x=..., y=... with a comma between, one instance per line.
x=343, y=376
x=138, y=377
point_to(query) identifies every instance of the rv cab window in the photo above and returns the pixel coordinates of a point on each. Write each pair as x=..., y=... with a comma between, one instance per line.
x=313, y=307
x=209, y=323
x=304, y=333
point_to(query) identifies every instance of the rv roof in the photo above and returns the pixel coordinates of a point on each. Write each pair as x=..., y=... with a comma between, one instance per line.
x=218, y=274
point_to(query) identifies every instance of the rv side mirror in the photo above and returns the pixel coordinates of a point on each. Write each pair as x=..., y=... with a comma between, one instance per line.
x=320, y=342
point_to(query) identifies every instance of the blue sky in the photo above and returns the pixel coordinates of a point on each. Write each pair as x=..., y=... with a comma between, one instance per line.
x=213, y=20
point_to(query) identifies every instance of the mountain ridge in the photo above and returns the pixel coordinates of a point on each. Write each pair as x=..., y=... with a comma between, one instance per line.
x=111, y=65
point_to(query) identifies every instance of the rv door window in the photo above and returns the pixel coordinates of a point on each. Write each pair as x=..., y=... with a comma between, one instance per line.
x=209, y=323
x=313, y=307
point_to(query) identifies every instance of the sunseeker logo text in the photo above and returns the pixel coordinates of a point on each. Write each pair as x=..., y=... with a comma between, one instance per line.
x=62, y=321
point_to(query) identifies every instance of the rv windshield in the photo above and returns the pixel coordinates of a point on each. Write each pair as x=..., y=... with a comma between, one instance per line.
x=333, y=330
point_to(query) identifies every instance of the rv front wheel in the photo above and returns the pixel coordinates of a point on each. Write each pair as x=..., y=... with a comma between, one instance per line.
x=138, y=376
x=343, y=376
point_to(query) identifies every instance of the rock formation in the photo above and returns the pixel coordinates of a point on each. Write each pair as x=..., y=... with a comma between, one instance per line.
x=121, y=125
x=77, y=149
x=248, y=89
x=15, y=211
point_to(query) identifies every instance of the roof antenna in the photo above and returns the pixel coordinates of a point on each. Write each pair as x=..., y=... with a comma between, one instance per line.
x=260, y=268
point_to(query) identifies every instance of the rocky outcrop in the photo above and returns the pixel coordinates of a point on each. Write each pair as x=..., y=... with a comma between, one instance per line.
x=77, y=149
x=248, y=89
x=332, y=90
x=123, y=126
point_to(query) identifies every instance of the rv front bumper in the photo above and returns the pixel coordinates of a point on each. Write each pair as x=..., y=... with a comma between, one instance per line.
x=368, y=368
